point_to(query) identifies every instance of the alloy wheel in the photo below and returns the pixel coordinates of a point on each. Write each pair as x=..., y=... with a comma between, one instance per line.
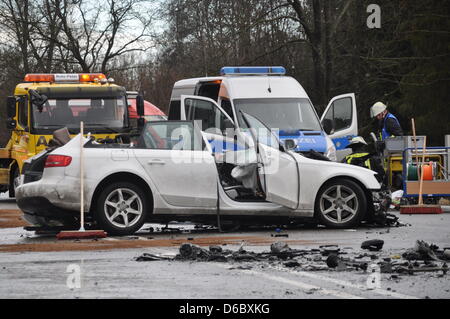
x=339, y=204
x=123, y=207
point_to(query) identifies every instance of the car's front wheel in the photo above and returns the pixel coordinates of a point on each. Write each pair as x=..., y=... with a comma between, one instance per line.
x=121, y=208
x=340, y=204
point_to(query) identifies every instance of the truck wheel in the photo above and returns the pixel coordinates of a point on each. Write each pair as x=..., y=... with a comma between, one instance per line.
x=121, y=209
x=340, y=204
x=13, y=184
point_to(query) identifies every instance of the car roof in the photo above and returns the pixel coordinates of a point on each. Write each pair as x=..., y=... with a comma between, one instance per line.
x=244, y=87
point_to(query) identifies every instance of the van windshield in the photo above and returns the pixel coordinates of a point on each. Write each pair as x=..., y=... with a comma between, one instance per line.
x=285, y=114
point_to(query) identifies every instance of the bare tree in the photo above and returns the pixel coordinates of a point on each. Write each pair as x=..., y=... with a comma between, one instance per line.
x=95, y=33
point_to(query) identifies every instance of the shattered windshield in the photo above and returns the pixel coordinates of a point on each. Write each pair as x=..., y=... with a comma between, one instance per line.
x=106, y=114
x=285, y=114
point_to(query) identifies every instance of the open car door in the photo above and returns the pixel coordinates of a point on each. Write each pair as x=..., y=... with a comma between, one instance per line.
x=341, y=118
x=279, y=172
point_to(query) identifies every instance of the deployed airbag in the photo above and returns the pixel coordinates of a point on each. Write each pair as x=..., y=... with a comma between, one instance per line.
x=246, y=174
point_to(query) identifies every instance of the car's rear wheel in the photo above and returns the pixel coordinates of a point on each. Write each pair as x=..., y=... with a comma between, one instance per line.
x=121, y=208
x=14, y=182
x=340, y=204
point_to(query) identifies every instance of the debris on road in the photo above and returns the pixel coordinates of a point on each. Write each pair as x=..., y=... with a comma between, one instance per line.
x=152, y=257
x=425, y=251
x=291, y=264
x=341, y=264
x=373, y=245
x=280, y=248
x=446, y=254
x=329, y=249
x=279, y=235
x=411, y=269
x=326, y=258
x=333, y=261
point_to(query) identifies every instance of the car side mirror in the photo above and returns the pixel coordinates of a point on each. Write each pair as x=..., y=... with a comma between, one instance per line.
x=11, y=106
x=11, y=124
x=290, y=144
x=140, y=123
x=38, y=99
x=140, y=105
x=328, y=126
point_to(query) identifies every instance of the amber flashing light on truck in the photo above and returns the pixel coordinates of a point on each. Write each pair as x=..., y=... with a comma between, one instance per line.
x=83, y=77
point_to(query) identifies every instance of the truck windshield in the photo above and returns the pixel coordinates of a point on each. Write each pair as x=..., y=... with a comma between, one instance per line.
x=107, y=114
x=285, y=114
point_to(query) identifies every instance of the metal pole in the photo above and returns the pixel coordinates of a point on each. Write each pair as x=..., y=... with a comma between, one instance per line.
x=421, y=175
x=81, y=178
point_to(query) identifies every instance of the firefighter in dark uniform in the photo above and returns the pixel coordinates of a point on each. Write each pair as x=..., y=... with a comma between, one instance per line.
x=362, y=156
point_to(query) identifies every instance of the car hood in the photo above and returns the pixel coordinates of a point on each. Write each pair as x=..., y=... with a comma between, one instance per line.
x=333, y=169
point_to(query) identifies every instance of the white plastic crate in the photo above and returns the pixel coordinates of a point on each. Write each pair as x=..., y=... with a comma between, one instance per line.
x=398, y=144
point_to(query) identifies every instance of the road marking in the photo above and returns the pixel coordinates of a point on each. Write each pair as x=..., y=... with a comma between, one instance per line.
x=296, y=283
x=305, y=286
x=346, y=283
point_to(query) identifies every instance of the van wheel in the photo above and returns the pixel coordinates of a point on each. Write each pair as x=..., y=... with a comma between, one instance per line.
x=340, y=204
x=121, y=209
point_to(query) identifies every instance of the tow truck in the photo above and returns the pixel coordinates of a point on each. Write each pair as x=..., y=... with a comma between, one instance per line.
x=44, y=103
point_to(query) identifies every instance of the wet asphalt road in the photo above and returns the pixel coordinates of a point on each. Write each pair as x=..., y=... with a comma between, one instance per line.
x=115, y=273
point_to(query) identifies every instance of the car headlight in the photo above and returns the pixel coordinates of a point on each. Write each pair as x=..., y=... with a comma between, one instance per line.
x=331, y=150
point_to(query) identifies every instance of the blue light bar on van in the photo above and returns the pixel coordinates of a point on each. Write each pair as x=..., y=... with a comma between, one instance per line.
x=253, y=70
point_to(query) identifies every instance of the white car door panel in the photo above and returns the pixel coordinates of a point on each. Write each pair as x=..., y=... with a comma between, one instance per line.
x=280, y=173
x=172, y=155
x=183, y=178
x=281, y=177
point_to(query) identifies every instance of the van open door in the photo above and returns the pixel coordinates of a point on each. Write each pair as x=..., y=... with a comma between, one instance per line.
x=279, y=171
x=213, y=120
x=196, y=108
x=340, y=121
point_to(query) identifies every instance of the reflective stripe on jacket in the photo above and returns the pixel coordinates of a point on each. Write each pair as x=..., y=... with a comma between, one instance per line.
x=352, y=159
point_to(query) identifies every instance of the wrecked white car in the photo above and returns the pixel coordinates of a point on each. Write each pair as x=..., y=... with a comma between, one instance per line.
x=171, y=172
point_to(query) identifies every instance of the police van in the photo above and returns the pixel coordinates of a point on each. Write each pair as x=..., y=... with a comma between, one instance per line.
x=277, y=100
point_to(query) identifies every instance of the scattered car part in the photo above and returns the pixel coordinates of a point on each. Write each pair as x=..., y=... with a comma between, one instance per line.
x=373, y=245
x=334, y=261
x=425, y=250
x=152, y=257
x=329, y=249
x=279, y=248
x=292, y=264
x=411, y=270
x=447, y=254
